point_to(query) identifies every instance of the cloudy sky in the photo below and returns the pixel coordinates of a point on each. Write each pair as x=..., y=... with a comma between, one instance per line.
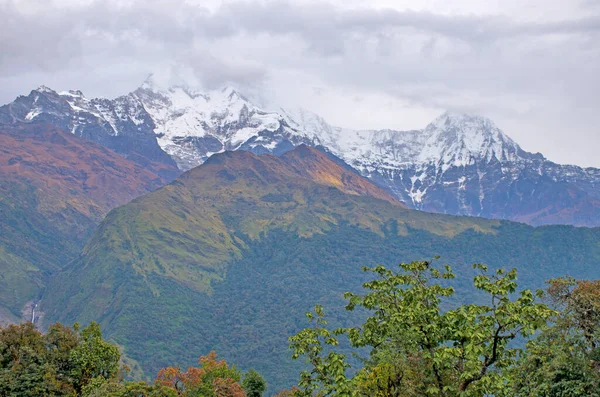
x=533, y=66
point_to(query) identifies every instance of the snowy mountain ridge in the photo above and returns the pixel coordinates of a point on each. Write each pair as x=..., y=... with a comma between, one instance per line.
x=191, y=126
x=179, y=114
x=458, y=164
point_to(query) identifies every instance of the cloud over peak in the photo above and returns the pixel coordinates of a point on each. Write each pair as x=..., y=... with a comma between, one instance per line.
x=535, y=75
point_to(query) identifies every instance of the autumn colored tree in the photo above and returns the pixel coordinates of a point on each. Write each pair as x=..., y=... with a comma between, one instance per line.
x=416, y=348
x=578, y=305
x=564, y=359
x=214, y=378
x=293, y=392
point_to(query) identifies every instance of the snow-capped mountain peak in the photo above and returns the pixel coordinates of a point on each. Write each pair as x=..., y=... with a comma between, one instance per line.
x=460, y=164
x=191, y=125
x=44, y=89
x=458, y=139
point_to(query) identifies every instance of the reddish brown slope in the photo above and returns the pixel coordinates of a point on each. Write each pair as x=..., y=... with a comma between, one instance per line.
x=316, y=165
x=54, y=188
x=72, y=172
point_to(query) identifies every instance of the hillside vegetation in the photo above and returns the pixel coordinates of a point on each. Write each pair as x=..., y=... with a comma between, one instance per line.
x=54, y=189
x=413, y=340
x=232, y=254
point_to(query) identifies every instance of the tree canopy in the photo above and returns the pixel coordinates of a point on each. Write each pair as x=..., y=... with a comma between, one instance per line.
x=419, y=344
x=416, y=339
x=60, y=362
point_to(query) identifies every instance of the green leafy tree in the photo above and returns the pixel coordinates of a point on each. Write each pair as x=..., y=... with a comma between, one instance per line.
x=24, y=370
x=58, y=363
x=101, y=387
x=327, y=375
x=564, y=359
x=93, y=357
x=254, y=384
x=60, y=340
x=416, y=348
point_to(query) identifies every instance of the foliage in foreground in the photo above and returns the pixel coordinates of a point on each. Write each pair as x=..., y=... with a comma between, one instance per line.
x=61, y=362
x=417, y=342
x=564, y=359
x=419, y=347
x=78, y=362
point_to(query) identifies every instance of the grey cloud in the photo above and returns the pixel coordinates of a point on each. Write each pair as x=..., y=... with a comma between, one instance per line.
x=316, y=21
x=323, y=28
x=466, y=62
x=213, y=73
x=27, y=42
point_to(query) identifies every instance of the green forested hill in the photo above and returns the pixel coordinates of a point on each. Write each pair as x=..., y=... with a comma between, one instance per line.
x=231, y=255
x=54, y=189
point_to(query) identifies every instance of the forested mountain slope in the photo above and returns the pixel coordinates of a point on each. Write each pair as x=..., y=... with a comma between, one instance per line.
x=230, y=256
x=54, y=189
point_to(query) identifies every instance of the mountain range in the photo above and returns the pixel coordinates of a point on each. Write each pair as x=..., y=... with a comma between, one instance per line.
x=458, y=164
x=185, y=222
x=231, y=254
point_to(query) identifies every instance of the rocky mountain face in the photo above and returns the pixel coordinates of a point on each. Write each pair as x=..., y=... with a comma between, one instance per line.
x=464, y=165
x=458, y=164
x=121, y=124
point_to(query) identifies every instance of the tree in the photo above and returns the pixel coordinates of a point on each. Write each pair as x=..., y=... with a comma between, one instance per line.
x=214, y=378
x=93, y=357
x=100, y=387
x=327, y=375
x=293, y=392
x=254, y=384
x=416, y=348
x=58, y=363
x=60, y=341
x=24, y=370
x=564, y=358
x=578, y=302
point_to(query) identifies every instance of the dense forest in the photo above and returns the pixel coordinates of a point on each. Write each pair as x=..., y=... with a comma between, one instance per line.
x=413, y=339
